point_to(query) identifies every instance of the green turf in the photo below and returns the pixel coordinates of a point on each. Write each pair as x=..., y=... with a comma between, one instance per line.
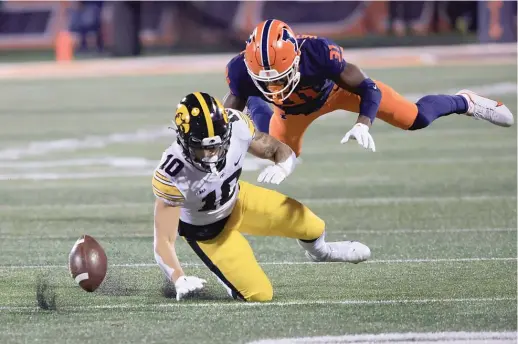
x=437, y=207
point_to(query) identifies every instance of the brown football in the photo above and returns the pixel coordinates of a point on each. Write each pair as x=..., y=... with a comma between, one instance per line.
x=87, y=263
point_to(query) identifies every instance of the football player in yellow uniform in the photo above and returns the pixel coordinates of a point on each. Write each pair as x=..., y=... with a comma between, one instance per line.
x=200, y=197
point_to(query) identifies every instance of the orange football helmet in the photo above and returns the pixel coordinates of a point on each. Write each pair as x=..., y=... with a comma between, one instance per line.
x=272, y=57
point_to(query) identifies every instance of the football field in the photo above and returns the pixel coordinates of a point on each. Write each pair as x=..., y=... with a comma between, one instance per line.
x=437, y=207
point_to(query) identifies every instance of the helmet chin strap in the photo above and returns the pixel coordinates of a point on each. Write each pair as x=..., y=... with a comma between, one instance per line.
x=212, y=162
x=213, y=169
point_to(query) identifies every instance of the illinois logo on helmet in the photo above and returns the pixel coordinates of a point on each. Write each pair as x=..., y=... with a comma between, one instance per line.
x=272, y=57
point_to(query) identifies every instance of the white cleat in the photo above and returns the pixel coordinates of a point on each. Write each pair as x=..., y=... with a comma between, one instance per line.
x=343, y=251
x=484, y=108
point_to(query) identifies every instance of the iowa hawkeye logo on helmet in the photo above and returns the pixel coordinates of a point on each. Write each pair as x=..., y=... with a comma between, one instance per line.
x=183, y=117
x=272, y=58
x=202, y=123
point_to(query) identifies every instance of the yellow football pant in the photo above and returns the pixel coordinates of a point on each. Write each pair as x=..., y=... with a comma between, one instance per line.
x=258, y=211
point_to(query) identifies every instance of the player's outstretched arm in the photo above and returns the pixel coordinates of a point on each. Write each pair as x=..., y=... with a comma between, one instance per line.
x=354, y=80
x=265, y=146
x=166, y=229
x=234, y=102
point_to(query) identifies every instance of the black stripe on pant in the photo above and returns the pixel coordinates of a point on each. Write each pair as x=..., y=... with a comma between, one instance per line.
x=212, y=267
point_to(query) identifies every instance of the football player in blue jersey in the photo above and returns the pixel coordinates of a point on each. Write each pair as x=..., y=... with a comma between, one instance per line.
x=305, y=77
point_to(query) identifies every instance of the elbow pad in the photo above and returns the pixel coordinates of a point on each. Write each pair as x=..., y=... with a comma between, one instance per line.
x=370, y=96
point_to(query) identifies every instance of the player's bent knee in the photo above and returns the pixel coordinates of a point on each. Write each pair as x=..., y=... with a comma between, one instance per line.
x=313, y=229
x=420, y=122
x=261, y=296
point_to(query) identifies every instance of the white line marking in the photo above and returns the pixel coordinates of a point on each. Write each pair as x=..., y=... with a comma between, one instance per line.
x=174, y=304
x=386, y=261
x=146, y=135
x=431, y=161
x=144, y=167
x=314, y=201
x=404, y=338
x=248, y=165
x=111, y=161
x=75, y=176
x=391, y=200
x=433, y=230
x=484, y=90
x=73, y=144
x=345, y=232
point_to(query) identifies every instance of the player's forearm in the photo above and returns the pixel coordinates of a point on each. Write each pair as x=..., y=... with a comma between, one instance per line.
x=233, y=102
x=282, y=153
x=267, y=147
x=355, y=80
x=165, y=256
x=370, y=101
x=166, y=229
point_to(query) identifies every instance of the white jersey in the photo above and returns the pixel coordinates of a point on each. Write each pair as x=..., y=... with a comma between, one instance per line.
x=204, y=197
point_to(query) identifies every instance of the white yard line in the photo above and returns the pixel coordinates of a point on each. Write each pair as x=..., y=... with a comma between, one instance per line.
x=419, y=231
x=314, y=201
x=39, y=148
x=174, y=304
x=74, y=176
x=136, y=167
x=430, y=161
x=110, y=161
x=404, y=338
x=500, y=88
x=124, y=167
x=392, y=200
x=139, y=162
x=346, y=232
x=384, y=261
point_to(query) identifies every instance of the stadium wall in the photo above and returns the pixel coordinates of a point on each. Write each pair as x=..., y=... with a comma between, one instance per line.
x=222, y=26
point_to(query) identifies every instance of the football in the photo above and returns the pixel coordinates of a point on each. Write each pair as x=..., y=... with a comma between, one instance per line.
x=88, y=263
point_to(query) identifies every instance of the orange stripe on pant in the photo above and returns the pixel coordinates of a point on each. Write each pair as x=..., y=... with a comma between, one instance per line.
x=394, y=109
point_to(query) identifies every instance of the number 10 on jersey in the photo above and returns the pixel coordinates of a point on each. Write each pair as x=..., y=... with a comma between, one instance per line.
x=228, y=187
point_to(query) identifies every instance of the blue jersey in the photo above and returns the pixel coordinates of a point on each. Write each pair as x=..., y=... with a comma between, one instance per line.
x=321, y=62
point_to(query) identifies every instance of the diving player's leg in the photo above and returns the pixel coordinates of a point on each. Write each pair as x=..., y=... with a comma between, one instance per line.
x=289, y=129
x=402, y=113
x=231, y=259
x=260, y=112
x=394, y=108
x=269, y=213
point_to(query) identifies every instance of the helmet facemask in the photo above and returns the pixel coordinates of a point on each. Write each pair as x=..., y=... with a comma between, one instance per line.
x=277, y=87
x=207, y=154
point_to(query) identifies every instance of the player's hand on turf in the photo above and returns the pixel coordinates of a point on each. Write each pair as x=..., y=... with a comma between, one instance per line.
x=360, y=132
x=186, y=285
x=274, y=174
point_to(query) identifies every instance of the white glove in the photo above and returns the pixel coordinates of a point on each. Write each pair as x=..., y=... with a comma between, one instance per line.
x=275, y=174
x=272, y=174
x=186, y=285
x=360, y=132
